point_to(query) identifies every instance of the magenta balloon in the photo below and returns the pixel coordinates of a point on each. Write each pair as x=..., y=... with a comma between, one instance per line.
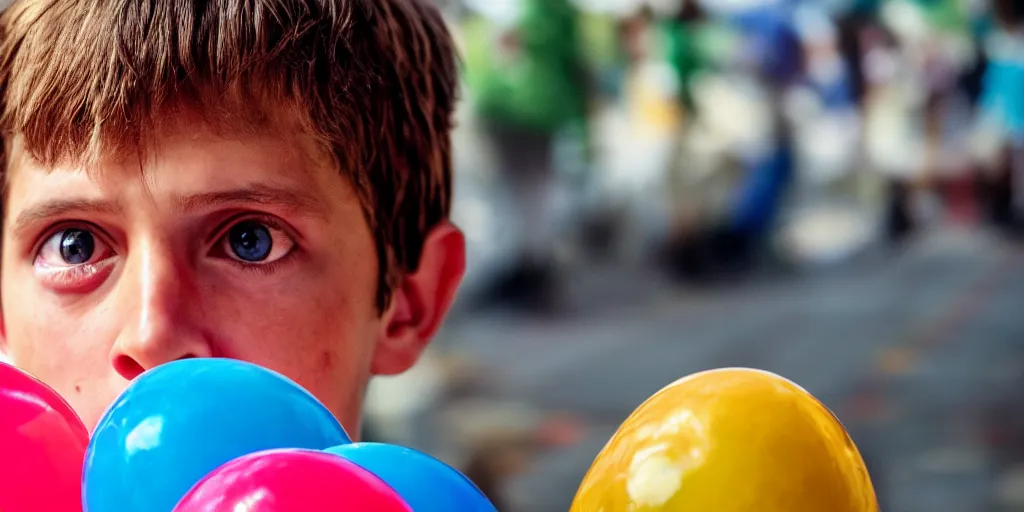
x=291, y=481
x=42, y=447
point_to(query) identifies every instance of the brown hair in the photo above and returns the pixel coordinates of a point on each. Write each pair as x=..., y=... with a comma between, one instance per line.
x=374, y=81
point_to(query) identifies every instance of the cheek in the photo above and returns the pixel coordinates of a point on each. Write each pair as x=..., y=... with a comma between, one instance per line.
x=45, y=336
x=65, y=348
x=315, y=331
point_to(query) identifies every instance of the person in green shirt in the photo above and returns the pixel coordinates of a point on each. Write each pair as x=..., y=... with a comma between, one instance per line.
x=536, y=78
x=682, y=46
x=1001, y=112
x=529, y=86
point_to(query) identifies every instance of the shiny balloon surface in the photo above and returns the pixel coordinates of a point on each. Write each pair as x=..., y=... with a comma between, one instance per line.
x=181, y=420
x=426, y=483
x=291, y=481
x=42, y=446
x=731, y=440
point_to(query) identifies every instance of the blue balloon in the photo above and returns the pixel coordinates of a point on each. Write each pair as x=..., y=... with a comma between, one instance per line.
x=427, y=484
x=178, y=422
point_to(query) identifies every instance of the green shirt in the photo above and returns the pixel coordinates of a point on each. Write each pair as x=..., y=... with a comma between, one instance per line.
x=541, y=86
x=946, y=15
x=682, y=50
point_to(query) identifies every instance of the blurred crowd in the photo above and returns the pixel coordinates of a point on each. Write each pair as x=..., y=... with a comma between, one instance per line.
x=713, y=139
x=704, y=133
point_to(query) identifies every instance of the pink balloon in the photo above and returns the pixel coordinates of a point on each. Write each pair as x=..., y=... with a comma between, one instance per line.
x=291, y=481
x=43, y=443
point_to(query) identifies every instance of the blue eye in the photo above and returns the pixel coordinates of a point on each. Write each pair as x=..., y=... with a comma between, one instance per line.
x=250, y=241
x=77, y=246
x=254, y=242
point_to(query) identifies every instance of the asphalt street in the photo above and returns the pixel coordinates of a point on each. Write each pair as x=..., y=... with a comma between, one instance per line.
x=919, y=352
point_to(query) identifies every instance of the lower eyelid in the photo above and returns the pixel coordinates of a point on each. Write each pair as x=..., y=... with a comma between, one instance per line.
x=72, y=276
x=50, y=268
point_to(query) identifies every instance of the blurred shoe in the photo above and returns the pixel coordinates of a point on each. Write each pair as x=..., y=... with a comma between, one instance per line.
x=532, y=284
x=898, y=220
x=688, y=257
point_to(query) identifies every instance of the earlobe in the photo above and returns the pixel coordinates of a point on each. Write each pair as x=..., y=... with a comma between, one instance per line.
x=421, y=301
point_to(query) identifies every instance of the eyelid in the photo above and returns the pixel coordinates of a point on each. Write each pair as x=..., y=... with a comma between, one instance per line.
x=269, y=220
x=60, y=226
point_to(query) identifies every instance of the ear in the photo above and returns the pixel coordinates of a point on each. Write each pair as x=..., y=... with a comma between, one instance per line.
x=420, y=301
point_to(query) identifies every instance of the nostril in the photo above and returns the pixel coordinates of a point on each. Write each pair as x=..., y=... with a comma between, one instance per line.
x=127, y=367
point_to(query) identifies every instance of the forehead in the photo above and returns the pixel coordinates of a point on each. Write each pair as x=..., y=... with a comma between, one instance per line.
x=174, y=124
x=182, y=158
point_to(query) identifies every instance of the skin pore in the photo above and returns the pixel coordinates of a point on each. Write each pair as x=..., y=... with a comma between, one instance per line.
x=219, y=246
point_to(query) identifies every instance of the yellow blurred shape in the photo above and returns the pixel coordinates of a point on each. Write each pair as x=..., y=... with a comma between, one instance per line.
x=652, y=97
x=730, y=440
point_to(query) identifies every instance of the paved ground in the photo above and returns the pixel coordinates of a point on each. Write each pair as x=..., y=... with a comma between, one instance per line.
x=920, y=353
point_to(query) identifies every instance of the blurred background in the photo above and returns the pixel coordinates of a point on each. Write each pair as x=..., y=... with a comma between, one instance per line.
x=828, y=189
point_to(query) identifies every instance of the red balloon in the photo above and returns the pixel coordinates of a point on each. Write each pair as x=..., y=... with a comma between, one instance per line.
x=291, y=481
x=43, y=443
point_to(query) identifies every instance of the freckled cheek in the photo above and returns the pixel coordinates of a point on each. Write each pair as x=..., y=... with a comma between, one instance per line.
x=68, y=351
x=309, y=340
x=321, y=351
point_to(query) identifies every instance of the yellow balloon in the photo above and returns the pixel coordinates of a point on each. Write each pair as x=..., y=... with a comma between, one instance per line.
x=730, y=440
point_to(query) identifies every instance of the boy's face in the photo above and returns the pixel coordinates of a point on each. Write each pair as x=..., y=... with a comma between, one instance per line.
x=240, y=247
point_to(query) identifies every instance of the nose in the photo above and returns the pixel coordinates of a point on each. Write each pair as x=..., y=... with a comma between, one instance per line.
x=163, y=325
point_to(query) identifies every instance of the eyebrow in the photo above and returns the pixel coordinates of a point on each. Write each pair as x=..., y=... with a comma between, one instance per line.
x=256, y=194
x=60, y=207
x=262, y=195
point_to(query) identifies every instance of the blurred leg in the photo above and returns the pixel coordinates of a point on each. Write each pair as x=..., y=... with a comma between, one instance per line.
x=1016, y=177
x=898, y=218
x=525, y=169
x=1000, y=192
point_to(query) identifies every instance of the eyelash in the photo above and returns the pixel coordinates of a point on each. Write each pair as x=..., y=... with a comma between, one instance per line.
x=261, y=269
x=65, y=226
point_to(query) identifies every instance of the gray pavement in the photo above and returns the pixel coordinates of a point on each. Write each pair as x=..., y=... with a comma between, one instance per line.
x=920, y=353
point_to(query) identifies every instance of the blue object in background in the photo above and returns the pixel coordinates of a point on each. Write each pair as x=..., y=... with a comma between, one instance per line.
x=1003, y=96
x=182, y=420
x=835, y=93
x=760, y=196
x=773, y=42
x=427, y=484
